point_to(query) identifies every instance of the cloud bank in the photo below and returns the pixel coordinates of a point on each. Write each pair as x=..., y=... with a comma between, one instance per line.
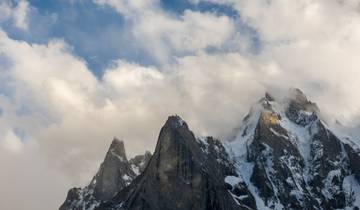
x=57, y=118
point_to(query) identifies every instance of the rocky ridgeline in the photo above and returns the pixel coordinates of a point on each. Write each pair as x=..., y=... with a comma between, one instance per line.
x=283, y=156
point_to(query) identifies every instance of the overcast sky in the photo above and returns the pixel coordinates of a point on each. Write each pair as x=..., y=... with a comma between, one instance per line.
x=76, y=73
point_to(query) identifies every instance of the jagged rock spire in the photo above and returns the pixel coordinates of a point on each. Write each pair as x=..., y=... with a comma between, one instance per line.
x=297, y=95
x=179, y=176
x=114, y=174
x=299, y=107
x=176, y=148
x=117, y=148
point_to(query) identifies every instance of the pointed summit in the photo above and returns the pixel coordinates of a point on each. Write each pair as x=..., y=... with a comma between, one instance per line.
x=175, y=121
x=117, y=144
x=114, y=174
x=300, y=110
x=117, y=149
x=176, y=144
x=179, y=176
x=297, y=95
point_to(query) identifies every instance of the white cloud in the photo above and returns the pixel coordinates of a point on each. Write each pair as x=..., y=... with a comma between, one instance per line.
x=11, y=142
x=73, y=115
x=164, y=35
x=193, y=31
x=316, y=41
x=313, y=44
x=31, y=180
x=18, y=13
x=126, y=76
x=128, y=8
x=5, y=11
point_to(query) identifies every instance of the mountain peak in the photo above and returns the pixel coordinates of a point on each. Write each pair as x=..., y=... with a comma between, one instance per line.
x=175, y=121
x=298, y=95
x=174, y=132
x=180, y=175
x=269, y=97
x=300, y=110
x=117, y=149
x=115, y=172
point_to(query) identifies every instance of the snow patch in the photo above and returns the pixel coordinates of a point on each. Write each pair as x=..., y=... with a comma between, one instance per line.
x=233, y=180
x=278, y=134
x=116, y=155
x=352, y=189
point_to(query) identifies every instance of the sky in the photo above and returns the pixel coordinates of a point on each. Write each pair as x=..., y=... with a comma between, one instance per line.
x=76, y=73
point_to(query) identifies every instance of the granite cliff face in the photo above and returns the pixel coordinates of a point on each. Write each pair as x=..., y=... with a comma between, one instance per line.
x=283, y=156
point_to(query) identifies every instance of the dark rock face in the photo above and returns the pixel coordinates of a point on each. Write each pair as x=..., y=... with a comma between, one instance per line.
x=115, y=173
x=139, y=162
x=179, y=175
x=353, y=153
x=329, y=166
x=277, y=162
x=299, y=107
x=216, y=155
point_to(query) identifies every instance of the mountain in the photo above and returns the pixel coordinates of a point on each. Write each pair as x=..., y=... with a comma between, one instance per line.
x=283, y=156
x=184, y=173
x=115, y=173
x=290, y=159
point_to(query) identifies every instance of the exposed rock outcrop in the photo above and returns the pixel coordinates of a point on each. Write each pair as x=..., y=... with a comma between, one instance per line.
x=180, y=175
x=115, y=173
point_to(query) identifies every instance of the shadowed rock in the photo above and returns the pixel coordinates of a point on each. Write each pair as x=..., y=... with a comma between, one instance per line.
x=115, y=173
x=277, y=160
x=178, y=177
x=299, y=107
x=139, y=162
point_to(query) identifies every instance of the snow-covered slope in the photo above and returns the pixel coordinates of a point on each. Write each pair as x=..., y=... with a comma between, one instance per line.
x=289, y=159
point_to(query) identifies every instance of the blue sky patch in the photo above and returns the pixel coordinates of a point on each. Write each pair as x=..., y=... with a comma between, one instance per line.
x=179, y=6
x=99, y=35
